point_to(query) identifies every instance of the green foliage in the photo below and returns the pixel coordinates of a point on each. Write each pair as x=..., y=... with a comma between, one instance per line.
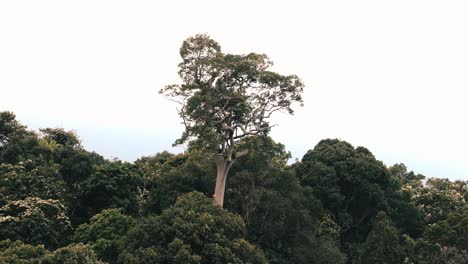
x=177, y=175
x=72, y=254
x=277, y=212
x=35, y=221
x=309, y=212
x=281, y=216
x=452, y=232
x=17, y=182
x=76, y=164
x=321, y=246
x=383, y=244
x=428, y=253
x=401, y=176
x=61, y=137
x=19, y=253
x=152, y=166
x=405, y=215
x=104, y=233
x=9, y=127
x=112, y=185
x=349, y=181
x=324, y=180
x=192, y=231
x=439, y=198
x=22, y=146
x=225, y=97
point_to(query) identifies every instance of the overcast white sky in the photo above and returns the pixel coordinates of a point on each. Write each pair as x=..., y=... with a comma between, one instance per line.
x=388, y=75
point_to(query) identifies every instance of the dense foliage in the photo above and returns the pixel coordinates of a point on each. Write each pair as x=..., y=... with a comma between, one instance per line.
x=62, y=204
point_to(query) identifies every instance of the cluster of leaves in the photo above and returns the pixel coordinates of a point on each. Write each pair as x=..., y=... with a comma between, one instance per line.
x=193, y=230
x=62, y=204
x=18, y=252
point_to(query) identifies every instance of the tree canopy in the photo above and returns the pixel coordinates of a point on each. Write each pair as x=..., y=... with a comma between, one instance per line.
x=225, y=97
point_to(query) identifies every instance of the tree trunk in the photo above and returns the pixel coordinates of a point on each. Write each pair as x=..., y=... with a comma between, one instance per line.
x=222, y=166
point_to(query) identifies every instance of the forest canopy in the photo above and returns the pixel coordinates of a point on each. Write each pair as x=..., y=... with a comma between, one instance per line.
x=60, y=203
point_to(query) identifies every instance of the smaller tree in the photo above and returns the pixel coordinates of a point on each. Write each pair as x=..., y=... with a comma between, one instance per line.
x=225, y=98
x=19, y=253
x=104, y=233
x=16, y=142
x=194, y=230
x=182, y=173
x=152, y=166
x=351, y=183
x=18, y=183
x=72, y=254
x=9, y=127
x=321, y=246
x=427, y=252
x=383, y=243
x=440, y=198
x=401, y=176
x=112, y=185
x=450, y=232
x=35, y=221
x=61, y=136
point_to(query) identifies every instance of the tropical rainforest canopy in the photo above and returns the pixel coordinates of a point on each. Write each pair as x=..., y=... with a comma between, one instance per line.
x=60, y=203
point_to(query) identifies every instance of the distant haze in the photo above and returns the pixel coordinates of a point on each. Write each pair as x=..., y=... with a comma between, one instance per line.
x=388, y=75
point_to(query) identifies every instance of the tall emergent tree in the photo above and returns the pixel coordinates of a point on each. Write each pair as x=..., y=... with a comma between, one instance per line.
x=225, y=98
